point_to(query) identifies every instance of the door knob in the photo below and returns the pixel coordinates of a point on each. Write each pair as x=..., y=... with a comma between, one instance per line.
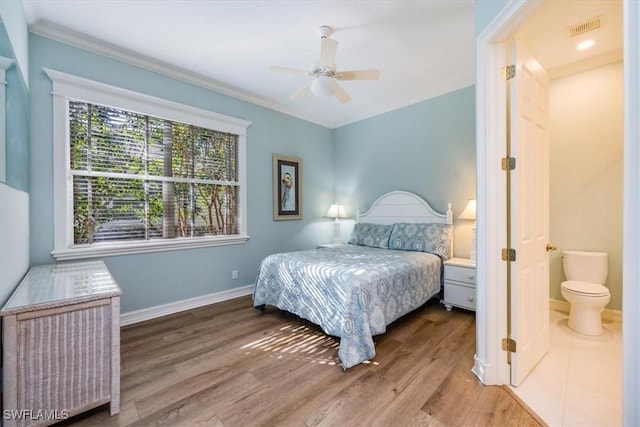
x=551, y=248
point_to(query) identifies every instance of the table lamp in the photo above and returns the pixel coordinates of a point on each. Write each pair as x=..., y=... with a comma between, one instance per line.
x=338, y=212
x=469, y=213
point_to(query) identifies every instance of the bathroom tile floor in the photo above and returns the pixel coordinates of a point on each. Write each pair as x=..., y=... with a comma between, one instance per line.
x=579, y=381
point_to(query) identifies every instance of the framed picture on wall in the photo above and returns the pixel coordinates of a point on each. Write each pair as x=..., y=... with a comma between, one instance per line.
x=287, y=187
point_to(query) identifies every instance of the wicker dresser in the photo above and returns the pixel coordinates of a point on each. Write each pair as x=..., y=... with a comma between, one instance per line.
x=61, y=344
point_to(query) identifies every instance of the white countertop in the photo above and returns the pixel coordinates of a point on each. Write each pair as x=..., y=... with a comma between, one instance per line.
x=55, y=285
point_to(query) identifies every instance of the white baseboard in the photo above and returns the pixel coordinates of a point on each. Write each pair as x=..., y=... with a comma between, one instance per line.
x=607, y=314
x=138, y=316
x=478, y=368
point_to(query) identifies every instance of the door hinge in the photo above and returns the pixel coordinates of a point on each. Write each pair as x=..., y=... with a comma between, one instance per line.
x=508, y=163
x=509, y=345
x=508, y=72
x=508, y=254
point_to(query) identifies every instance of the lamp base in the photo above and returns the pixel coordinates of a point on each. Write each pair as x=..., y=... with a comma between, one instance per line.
x=472, y=253
x=336, y=232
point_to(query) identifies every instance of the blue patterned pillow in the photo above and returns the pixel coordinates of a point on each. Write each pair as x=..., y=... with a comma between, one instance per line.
x=374, y=235
x=434, y=238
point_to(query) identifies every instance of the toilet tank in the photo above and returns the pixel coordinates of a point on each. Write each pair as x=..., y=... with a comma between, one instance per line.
x=585, y=266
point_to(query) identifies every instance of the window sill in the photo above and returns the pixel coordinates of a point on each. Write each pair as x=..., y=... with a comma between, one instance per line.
x=100, y=250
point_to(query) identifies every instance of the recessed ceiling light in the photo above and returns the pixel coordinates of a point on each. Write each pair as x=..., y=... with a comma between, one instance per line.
x=585, y=44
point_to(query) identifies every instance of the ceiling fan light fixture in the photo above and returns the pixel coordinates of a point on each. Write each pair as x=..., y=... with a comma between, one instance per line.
x=324, y=74
x=323, y=86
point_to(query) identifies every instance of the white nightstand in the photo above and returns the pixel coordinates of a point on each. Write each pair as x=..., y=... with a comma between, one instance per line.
x=460, y=283
x=330, y=245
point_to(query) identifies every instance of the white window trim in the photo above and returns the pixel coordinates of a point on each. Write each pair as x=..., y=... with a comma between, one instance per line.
x=66, y=86
x=5, y=64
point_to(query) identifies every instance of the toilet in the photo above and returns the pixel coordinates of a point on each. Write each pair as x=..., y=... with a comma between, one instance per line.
x=584, y=288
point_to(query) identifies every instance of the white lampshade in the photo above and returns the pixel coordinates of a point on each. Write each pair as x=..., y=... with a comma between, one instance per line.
x=323, y=86
x=336, y=211
x=469, y=211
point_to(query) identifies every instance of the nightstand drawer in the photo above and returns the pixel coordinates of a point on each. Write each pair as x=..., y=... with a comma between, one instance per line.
x=460, y=274
x=460, y=296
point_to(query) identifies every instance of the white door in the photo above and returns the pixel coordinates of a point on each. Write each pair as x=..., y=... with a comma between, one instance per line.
x=529, y=118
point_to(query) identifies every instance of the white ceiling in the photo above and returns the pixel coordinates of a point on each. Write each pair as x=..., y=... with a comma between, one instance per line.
x=423, y=48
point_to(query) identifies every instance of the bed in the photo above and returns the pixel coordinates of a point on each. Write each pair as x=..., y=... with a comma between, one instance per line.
x=391, y=266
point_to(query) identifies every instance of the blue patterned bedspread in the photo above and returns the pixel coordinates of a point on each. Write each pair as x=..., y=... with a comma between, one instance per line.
x=352, y=292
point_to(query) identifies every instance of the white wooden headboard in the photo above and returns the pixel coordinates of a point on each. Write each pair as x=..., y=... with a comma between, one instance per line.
x=403, y=206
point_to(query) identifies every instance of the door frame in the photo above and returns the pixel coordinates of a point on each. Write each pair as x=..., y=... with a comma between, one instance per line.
x=490, y=364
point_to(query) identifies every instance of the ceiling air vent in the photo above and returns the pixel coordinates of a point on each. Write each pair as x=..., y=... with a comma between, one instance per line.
x=585, y=27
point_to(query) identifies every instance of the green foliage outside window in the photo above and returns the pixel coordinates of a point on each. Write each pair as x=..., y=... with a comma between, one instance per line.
x=137, y=177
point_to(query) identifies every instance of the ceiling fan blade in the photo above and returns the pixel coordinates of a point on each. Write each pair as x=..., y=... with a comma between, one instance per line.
x=328, y=48
x=304, y=90
x=358, y=75
x=341, y=94
x=288, y=70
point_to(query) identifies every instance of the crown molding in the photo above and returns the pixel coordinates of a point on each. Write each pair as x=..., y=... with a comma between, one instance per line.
x=586, y=64
x=88, y=43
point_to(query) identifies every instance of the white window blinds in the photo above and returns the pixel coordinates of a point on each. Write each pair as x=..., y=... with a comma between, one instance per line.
x=137, y=177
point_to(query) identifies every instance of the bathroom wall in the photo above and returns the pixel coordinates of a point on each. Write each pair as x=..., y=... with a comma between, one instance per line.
x=586, y=149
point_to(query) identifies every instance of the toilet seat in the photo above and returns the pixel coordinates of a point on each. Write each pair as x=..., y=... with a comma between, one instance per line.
x=585, y=288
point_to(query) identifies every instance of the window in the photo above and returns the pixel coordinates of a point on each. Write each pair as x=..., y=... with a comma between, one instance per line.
x=5, y=63
x=142, y=174
x=137, y=177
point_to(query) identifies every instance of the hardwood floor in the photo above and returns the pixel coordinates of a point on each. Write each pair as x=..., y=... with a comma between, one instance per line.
x=231, y=365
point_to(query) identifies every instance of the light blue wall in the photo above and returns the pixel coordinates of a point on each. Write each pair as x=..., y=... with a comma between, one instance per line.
x=426, y=148
x=16, y=155
x=152, y=279
x=486, y=11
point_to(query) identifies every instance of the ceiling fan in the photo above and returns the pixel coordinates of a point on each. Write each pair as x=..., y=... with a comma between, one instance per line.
x=324, y=73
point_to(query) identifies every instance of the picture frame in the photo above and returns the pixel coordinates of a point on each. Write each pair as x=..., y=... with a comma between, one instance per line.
x=287, y=187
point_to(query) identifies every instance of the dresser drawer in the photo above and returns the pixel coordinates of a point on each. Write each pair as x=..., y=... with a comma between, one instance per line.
x=460, y=296
x=460, y=274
